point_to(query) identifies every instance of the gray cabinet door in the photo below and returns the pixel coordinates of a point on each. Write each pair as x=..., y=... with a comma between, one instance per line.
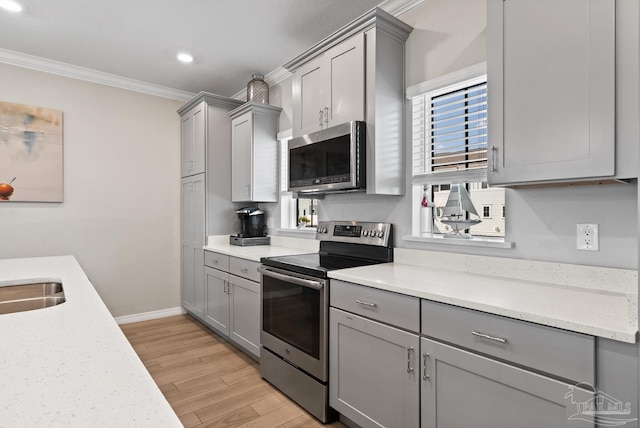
x=463, y=389
x=329, y=90
x=217, y=307
x=192, y=211
x=193, y=142
x=373, y=372
x=187, y=283
x=309, y=95
x=242, y=158
x=345, y=65
x=244, y=299
x=193, y=238
x=552, y=95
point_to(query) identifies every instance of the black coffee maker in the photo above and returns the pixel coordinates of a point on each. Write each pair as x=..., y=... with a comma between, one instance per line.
x=251, y=222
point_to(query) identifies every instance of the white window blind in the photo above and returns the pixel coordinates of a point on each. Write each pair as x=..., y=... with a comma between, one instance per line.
x=450, y=134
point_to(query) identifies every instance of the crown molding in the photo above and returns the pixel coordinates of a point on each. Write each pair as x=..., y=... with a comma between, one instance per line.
x=67, y=70
x=400, y=7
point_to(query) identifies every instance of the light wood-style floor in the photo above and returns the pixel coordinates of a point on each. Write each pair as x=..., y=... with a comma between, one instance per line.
x=207, y=381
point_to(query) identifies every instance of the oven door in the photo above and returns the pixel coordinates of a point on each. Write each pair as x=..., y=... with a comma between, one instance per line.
x=294, y=319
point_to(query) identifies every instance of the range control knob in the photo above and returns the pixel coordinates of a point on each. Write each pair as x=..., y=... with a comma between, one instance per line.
x=380, y=233
x=365, y=232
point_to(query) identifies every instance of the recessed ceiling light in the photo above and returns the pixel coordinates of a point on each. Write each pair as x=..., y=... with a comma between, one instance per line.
x=182, y=56
x=10, y=5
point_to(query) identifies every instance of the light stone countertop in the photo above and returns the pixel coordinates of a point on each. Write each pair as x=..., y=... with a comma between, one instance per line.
x=70, y=365
x=280, y=246
x=609, y=312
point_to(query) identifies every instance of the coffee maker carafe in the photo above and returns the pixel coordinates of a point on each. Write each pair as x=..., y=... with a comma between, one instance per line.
x=251, y=222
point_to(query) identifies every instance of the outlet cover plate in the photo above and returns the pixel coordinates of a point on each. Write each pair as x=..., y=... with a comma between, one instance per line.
x=587, y=237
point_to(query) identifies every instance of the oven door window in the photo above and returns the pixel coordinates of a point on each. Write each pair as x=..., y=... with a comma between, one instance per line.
x=291, y=313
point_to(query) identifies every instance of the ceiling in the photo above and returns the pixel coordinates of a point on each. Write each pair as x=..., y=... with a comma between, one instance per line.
x=230, y=39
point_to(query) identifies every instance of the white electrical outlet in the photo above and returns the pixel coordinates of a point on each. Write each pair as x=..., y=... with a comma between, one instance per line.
x=587, y=237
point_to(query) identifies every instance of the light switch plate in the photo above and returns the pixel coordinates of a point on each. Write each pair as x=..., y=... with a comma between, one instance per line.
x=587, y=237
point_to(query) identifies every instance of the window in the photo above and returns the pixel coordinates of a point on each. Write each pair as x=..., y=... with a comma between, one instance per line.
x=449, y=158
x=294, y=213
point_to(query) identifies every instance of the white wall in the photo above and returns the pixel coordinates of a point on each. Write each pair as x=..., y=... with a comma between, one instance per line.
x=121, y=210
x=449, y=35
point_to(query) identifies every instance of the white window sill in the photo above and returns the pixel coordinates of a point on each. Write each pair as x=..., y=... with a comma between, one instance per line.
x=476, y=241
x=307, y=232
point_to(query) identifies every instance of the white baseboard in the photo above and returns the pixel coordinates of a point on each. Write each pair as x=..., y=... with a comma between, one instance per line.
x=145, y=316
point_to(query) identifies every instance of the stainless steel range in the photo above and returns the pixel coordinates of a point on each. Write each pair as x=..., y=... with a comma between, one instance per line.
x=295, y=308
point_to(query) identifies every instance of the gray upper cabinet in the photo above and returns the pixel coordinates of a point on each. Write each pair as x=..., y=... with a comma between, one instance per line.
x=329, y=90
x=193, y=140
x=254, y=153
x=552, y=90
x=357, y=73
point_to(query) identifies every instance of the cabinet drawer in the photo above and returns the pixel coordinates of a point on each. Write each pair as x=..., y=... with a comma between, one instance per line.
x=562, y=353
x=216, y=260
x=391, y=308
x=244, y=268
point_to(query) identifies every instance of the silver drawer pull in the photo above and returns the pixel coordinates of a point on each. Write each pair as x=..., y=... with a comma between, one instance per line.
x=371, y=305
x=244, y=270
x=425, y=375
x=409, y=351
x=486, y=336
x=493, y=158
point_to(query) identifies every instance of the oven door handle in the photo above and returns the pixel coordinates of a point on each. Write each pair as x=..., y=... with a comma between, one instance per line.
x=292, y=279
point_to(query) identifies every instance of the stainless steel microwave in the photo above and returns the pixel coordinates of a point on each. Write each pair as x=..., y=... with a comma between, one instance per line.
x=328, y=161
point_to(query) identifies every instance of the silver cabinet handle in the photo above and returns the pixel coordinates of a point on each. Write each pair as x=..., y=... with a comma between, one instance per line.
x=244, y=270
x=326, y=116
x=486, y=336
x=425, y=375
x=230, y=284
x=371, y=305
x=409, y=351
x=494, y=149
x=224, y=287
x=321, y=118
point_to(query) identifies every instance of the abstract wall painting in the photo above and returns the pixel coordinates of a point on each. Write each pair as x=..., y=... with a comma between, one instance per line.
x=30, y=154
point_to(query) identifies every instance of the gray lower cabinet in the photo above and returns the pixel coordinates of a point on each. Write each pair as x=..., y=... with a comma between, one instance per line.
x=192, y=240
x=464, y=389
x=233, y=300
x=373, y=375
x=217, y=308
x=244, y=304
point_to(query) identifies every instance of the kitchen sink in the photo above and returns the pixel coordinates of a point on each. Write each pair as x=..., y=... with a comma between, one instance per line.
x=28, y=297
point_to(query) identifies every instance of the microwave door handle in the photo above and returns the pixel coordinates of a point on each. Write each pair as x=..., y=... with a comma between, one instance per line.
x=292, y=279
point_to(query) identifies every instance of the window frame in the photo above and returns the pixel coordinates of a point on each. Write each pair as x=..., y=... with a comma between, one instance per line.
x=289, y=205
x=423, y=228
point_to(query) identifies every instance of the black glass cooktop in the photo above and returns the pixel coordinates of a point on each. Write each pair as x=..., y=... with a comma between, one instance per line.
x=315, y=264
